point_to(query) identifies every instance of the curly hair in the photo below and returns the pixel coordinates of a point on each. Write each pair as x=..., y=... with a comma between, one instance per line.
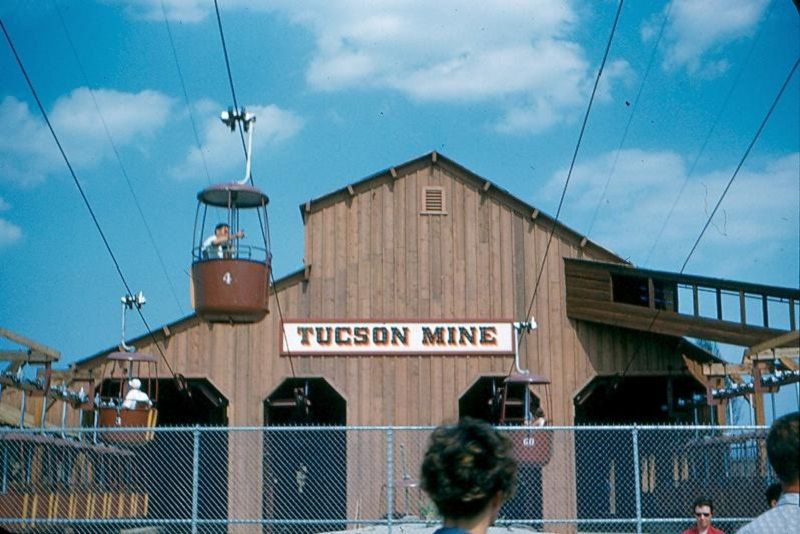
x=465, y=466
x=783, y=442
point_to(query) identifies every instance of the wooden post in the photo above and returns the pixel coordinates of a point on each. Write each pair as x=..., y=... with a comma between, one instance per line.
x=758, y=396
x=742, y=308
x=722, y=413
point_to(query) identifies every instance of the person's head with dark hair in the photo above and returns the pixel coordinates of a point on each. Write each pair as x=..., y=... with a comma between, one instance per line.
x=703, y=509
x=703, y=501
x=773, y=494
x=783, y=442
x=468, y=472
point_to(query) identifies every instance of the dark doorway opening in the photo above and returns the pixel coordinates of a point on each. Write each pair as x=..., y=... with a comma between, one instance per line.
x=305, y=470
x=165, y=464
x=605, y=479
x=483, y=400
x=611, y=400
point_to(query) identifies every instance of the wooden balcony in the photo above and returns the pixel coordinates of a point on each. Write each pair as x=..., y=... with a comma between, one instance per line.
x=678, y=304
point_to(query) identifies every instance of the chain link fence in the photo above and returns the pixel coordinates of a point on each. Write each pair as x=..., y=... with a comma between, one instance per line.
x=298, y=480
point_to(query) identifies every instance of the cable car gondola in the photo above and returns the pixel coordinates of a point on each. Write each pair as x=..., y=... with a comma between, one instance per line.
x=534, y=445
x=119, y=404
x=230, y=281
x=128, y=393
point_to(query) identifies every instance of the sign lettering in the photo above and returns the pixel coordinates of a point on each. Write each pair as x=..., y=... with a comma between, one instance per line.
x=369, y=337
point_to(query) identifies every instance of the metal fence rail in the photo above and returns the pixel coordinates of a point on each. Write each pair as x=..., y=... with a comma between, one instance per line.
x=321, y=479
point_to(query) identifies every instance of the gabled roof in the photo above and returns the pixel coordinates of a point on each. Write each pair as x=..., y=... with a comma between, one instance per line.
x=488, y=187
x=373, y=180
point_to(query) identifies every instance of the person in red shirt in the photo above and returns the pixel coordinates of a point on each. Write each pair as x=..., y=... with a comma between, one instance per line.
x=703, y=512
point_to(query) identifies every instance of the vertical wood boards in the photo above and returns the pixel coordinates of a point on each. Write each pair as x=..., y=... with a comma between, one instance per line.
x=374, y=256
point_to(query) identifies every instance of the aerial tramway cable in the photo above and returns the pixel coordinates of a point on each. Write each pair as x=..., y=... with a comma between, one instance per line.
x=118, y=157
x=179, y=380
x=701, y=151
x=634, y=107
x=265, y=234
x=185, y=93
x=725, y=191
x=571, y=167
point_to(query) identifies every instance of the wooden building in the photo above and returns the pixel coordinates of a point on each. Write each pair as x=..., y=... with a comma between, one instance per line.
x=429, y=242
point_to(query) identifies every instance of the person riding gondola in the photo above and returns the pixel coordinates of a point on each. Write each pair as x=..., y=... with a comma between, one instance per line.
x=135, y=395
x=219, y=245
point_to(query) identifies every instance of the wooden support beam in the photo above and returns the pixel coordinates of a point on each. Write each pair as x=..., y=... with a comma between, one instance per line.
x=393, y=172
x=784, y=340
x=26, y=356
x=534, y=214
x=695, y=369
x=434, y=156
x=486, y=186
x=351, y=190
x=22, y=340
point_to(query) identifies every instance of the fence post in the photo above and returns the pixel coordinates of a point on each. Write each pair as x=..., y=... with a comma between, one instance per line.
x=637, y=480
x=389, y=477
x=195, y=477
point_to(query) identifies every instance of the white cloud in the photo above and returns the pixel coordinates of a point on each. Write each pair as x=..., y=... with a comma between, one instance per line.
x=223, y=149
x=28, y=154
x=10, y=233
x=177, y=10
x=517, y=54
x=697, y=32
x=758, y=216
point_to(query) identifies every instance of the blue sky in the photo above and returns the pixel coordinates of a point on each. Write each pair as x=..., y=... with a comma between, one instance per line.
x=345, y=89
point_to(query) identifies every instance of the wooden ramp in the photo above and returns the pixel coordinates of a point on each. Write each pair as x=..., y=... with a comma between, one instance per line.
x=678, y=304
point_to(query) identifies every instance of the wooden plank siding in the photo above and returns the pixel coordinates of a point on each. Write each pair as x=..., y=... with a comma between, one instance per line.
x=589, y=289
x=371, y=255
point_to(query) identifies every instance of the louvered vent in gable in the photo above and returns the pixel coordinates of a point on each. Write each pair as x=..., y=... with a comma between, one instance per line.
x=433, y=201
